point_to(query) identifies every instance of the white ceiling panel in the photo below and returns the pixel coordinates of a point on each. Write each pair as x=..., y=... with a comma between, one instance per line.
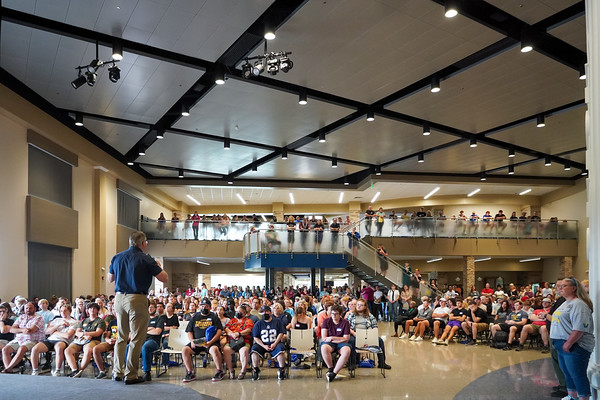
x=249, y=112
x=532, y=11
x=120, y=137
x=295, y=168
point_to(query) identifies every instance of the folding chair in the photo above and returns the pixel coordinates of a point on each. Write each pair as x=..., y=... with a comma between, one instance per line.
x=300, y=342
x=178, y=339
x=367, y=343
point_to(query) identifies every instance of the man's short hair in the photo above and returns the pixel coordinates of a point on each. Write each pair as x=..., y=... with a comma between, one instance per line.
x=160, y=302
x=337, y=308
x=93, y=305
x=518, y=301
x=67, y=306
x=137, y=238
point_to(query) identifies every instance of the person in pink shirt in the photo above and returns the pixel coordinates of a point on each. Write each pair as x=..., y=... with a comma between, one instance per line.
x=28, y=330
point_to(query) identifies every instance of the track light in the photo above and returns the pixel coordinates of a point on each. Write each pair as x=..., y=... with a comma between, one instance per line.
x=473, y=142
x=114, y=74
x=259, y=67
x=79, y=81
x=142, y=151
x=180, y=174
x=450, y=9
x=584, y=172
x=219, y=75
x=511, y=169
x=582, y=74
x=91, y=78
x=247, y=70
x=567, y=167
x=426, y=129
x=272, y=66
x=227, y=144
x=378, y=171
x=421, y=157
x=346, y=183
x=93, y=66
x=483, y=177
x=284, y=154
x=78, y=119
x=370, y=116
x=541, y=121
x=302, y=100
x=322, y=137
x=285, y=64
x=185, y=110
x=435, y=84
x=526, y=43
x=334, y=163
x=254, y=167
x=160, y=134
x=117, y=50
x=269, y=32
x=511, y=153
x=547, y=162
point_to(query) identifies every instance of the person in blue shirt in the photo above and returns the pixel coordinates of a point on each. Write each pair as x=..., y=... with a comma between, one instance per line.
x=268, y=334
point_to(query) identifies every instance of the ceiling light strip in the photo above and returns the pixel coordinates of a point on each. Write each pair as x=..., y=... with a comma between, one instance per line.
x=241, y=198
x=375, y=197
x=524, y=192
x=193, y=199
x=474, y=192
x=530, y=259
x=434, y=260
x=431, y=193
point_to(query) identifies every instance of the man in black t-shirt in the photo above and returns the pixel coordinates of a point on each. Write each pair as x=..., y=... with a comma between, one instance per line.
x=5, y=325
x=476, y=322
x=153, y=338
x=334, y=228
x=368, y=219
x=204, y=331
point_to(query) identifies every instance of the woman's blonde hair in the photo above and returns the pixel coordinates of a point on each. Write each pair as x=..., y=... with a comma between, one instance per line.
x=580, y=292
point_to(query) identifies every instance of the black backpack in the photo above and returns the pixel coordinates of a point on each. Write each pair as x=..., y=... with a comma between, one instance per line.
x=500, y=340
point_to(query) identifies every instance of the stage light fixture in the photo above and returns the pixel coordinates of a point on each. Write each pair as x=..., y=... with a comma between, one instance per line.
x=273, y=66
x=259, y=67
x=247, y=70
x=79, y=81
x=88, y=73
x=285, y=64
x=114, y=74
x=91, y=77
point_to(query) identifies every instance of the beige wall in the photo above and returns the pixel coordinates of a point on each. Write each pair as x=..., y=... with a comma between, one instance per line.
x=83, y=256
x=13, y=175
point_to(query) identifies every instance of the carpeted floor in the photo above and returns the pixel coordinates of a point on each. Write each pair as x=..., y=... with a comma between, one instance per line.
x=24, y=387
x=524, y=381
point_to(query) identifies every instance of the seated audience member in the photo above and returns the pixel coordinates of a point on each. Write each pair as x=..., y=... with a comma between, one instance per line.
x=351, y=308
x=153, y=340
x=476, y=322
x=46, y=314
x=268, y=335
x=238, y=326
x=285, y=318
x=110, y=338
x=335, y=333
x=457, y=316
x=499, y=292
x=87, y=336
x=199, y=342
x=424, y=314
x=363, y=319
x=191, y=311
x=28, y=330
x=79, y=311
x=405, y=315
x=502, y=312
x=537, y=326
x=323, y=314
x=439, y=319
x=6, y=323
x=515, y=322
x=487, y=290
x=61, y=332
x=170, y=321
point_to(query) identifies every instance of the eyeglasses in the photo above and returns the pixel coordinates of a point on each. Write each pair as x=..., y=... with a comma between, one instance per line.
x=335, y=313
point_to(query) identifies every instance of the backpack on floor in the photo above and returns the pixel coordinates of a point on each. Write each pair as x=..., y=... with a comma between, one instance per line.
x=500, y=340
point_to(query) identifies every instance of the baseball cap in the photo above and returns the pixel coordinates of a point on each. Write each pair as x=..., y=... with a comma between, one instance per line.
x=443, y=299
x=265, y=309
x=546, y=300
x=205, y=302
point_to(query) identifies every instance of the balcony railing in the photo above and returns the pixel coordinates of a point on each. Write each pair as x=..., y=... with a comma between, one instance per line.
x=419, y=228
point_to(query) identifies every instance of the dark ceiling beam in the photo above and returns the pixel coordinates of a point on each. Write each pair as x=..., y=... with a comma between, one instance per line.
x=510, y=26
x=263, y=183
x=86, y=35
x=113, y=120
x=176, y=169
x=562, y=17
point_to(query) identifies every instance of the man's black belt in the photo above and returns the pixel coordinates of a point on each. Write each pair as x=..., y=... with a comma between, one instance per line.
x=145, y=294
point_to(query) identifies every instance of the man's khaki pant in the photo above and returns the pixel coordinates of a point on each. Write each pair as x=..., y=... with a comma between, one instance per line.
x=132, y=320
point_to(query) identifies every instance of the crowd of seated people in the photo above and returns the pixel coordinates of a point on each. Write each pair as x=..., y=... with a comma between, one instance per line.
x=253, y=322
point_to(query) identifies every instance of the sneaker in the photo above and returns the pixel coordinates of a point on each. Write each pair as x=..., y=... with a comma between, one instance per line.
x=75, y=372
x=445, y=342
x=434, y=341
x=241, y=376
x=218, y=376
x=508, y=347
x=519, y=347
x=101, y=375
x=147, y=376
x=255, y=374
x=330, y=376
x=232, y=374
x=404, y=336
x=395, y=335
x=472, y=343
x=280, y=374
x=57, y=372
x=413, y=337
x=34, y=372
x=545, y=350
x=419, y=339
x=189, y=376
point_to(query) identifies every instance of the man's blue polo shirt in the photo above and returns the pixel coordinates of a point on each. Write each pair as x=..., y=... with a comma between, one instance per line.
x=133, y=271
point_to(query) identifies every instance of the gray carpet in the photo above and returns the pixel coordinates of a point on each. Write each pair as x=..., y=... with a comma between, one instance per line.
x=14, y=386
x=525, y=381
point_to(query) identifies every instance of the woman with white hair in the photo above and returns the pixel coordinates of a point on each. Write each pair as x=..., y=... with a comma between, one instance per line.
x=572, y=334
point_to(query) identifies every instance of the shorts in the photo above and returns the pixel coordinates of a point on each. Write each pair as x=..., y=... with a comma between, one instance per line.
x=482, y=326
x=535, y=328
x=15, y=345
x=3, y=342
x=201, y=349
x=246, y=344
x=80, y=347
x=261, y=350
x=506, y=327
x=454, y=324
x=51, y=343
x=337, y=346
x=441, y=321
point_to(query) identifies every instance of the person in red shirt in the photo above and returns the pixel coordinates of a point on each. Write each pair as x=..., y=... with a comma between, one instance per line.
x=487, y=290
x=195, y=224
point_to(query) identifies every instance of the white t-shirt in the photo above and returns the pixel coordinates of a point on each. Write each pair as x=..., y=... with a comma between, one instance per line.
x=393, y=295
x=442, y=310
x=73, y=323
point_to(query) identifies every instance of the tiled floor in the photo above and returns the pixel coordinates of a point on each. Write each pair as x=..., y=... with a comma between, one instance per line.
x=420, y=370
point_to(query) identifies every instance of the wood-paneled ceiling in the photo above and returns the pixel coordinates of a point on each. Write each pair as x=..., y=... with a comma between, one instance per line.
x=351, y=57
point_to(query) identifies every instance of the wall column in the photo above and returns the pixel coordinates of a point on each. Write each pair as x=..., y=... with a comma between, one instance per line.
x=321, y=278
x=313, y=280
x=278, y=280
x=468, y=274
x=592, y=94
x=278, y=211
x=354, y=210
x=566, y=267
